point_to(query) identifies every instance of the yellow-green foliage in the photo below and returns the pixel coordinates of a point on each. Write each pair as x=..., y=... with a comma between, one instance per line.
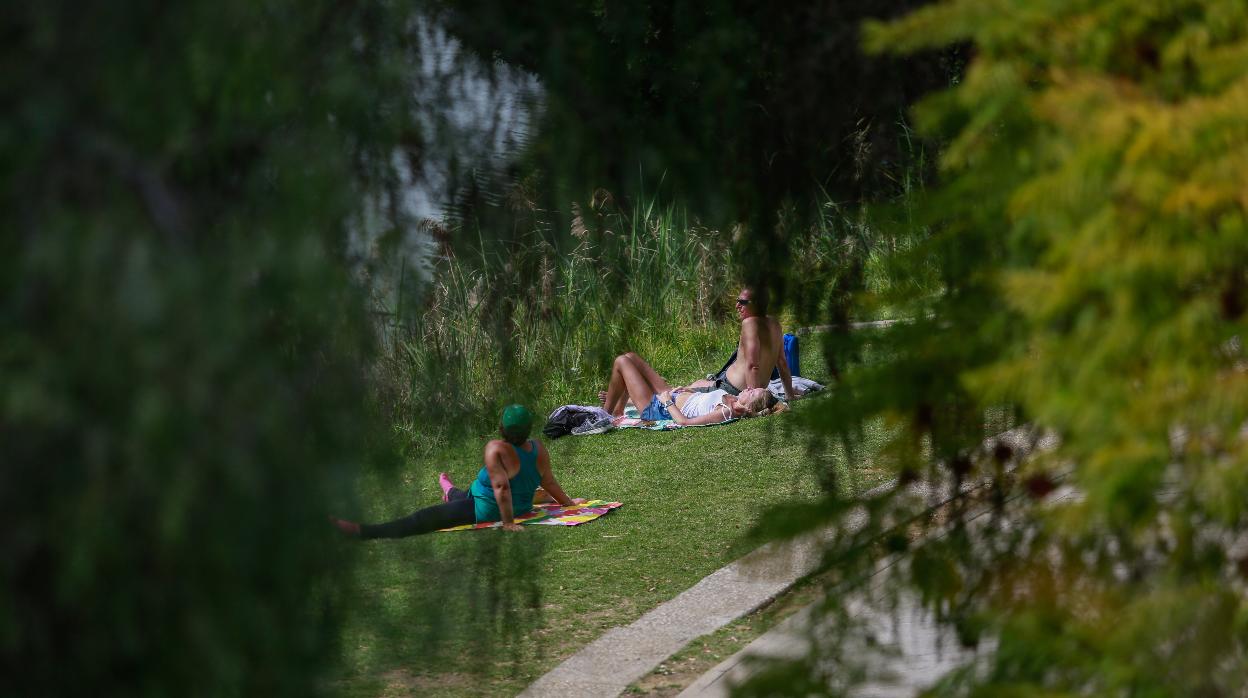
x=1094, y=178
x=1126, y=128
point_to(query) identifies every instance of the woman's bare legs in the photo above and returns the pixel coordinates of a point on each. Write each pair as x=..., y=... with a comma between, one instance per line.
x=617, y=388
x=632, y=379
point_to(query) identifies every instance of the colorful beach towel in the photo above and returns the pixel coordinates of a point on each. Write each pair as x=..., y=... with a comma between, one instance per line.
x=553, y=515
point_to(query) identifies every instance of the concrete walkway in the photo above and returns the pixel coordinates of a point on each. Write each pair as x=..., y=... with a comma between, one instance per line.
x=607, y=666
x=901, y=645
x=623, y=655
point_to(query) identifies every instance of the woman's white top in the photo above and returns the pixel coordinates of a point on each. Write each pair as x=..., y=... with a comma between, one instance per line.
x=699, y=404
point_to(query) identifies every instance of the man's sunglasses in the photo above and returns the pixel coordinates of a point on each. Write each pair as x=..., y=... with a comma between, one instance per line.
x=742, y=301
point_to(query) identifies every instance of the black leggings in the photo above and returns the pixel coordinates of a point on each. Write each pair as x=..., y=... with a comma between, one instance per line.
x=456, y=511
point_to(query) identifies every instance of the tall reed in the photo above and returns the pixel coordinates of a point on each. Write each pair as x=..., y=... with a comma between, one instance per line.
x=521, y=321
x=538, y=318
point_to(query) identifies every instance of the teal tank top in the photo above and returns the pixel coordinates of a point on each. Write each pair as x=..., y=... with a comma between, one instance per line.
x=523, y=485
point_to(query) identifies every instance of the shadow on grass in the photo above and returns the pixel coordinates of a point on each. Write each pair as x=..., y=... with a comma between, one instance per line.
x=446, y=597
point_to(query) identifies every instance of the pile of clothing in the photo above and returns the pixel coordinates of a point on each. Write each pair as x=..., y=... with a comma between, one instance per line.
x=577, y=419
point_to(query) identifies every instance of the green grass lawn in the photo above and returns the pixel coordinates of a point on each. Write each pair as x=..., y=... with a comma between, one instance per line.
x=487, y=612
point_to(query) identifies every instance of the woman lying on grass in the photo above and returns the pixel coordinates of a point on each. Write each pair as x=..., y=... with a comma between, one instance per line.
x=514, y=468
x=634, y=379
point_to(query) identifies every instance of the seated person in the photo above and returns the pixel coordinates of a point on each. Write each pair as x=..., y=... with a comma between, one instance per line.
x=759, y=350
x=514, y=468
x=632, y=379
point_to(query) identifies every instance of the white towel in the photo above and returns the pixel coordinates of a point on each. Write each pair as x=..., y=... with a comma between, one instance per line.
x=800, y=385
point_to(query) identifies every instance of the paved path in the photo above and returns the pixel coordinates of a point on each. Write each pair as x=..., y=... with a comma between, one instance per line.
x=607, y=666
x=623, y=655
x=907, y=653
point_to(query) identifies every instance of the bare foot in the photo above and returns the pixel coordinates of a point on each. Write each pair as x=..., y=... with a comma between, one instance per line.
x=444, y=481
x=350, y=528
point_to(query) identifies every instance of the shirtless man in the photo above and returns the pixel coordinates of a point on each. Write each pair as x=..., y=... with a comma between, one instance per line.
x=760, y=349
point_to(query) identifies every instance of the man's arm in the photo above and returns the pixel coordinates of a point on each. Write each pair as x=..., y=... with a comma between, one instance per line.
x=502, y=487
x=750, y=348
x=786, y=377
x=782, y=363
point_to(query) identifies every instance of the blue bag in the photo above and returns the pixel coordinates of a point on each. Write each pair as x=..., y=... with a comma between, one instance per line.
x=792, y=355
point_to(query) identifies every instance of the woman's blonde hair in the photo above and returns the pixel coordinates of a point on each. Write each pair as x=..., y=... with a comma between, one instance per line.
x=763, y=404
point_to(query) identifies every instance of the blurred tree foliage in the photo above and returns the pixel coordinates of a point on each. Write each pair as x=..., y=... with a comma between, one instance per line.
x=736, y=110
x=1092, y=234
x=184, y=352
x=727, y=110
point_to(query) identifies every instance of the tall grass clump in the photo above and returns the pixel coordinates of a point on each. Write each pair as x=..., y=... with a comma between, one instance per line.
x=536, y=314
x=864, y=258
x=871, y=259
x=538, y=318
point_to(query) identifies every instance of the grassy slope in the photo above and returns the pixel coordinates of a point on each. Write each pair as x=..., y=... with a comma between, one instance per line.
x=690, y=496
